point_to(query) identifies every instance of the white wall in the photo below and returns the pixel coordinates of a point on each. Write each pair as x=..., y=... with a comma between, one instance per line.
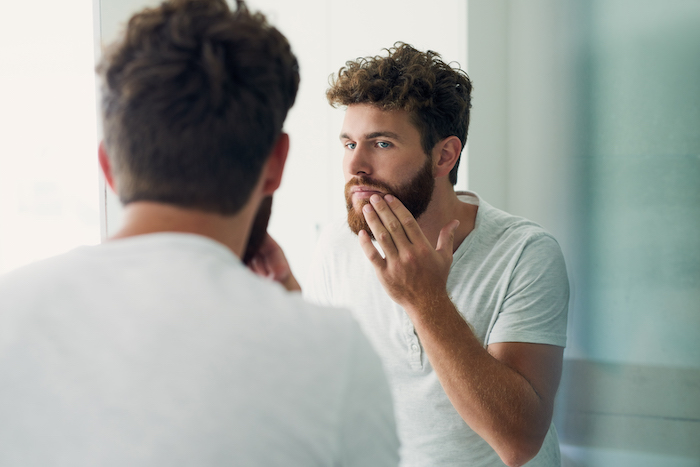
x=48, y=168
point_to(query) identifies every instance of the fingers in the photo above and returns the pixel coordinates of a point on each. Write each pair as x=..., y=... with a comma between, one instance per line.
x=386, y=239
x=270, y=261
x=385, y=221
x=259, y=266
x=410, y=226
x=369, y=249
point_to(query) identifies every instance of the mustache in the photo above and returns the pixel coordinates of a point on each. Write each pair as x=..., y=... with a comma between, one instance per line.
x=368, y=182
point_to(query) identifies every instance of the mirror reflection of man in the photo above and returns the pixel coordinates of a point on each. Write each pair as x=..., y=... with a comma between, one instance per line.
x=465, y=303
x=160, y=347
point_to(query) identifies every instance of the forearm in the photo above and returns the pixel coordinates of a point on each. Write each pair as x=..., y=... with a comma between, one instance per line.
x=496, y=401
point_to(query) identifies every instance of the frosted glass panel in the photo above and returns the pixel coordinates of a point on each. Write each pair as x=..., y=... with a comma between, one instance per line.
x=587, y=120
x=630, y=390
x=643, y=157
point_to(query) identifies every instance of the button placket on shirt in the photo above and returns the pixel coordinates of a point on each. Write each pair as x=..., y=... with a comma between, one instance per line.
x=413, y=345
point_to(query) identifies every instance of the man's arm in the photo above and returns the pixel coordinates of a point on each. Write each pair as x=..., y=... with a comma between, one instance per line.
x=505, y=393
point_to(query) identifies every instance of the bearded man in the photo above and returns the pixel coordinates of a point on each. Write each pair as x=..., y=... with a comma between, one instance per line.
x=465, y=304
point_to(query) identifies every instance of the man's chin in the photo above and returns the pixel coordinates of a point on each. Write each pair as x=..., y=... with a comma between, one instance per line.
x=357, y=222
x=357, y=207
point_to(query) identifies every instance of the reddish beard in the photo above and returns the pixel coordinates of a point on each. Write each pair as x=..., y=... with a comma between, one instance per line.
x=414, y=194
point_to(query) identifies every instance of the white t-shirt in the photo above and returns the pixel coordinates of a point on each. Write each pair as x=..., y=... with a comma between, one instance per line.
x=508, y=279
x=164, y=350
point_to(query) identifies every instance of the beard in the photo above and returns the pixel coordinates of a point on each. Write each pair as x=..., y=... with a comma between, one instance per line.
x=258, y=230
x=414, y=194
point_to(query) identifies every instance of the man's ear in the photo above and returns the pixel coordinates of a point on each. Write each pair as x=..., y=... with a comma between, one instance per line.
x=106, y=165
x=447, y=153
x=274, y=167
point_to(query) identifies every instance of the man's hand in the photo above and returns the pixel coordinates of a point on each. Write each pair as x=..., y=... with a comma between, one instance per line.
x=270, y=262
x=413, y=273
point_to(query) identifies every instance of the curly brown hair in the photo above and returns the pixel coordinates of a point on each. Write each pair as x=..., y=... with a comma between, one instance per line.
x=194, y=97
x=437, y=95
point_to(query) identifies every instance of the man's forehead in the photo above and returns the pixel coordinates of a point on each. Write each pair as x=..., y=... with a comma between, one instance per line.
x=368, y=121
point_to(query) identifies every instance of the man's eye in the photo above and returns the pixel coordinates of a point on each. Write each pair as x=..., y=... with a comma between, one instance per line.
x=350, y=145
x=383, y=144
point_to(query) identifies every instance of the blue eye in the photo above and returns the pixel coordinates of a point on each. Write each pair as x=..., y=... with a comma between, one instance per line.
x=350, y=145
x=383, y=144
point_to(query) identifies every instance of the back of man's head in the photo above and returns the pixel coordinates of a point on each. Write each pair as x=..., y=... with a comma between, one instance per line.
x=436, y=94
x=194, y=98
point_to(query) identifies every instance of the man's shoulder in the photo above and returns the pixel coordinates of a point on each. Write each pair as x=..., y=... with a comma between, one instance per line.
x=90, y=262
x=499, y=225
x=48, y=269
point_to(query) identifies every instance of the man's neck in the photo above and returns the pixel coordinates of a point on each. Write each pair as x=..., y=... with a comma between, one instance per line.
x=145, y=217
x=443, y=208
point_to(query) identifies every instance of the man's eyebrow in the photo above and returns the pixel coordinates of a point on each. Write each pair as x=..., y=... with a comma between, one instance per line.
x=376, y=134
x=382, y=134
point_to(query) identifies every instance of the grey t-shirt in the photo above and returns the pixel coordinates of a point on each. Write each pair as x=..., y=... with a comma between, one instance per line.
x=509, y=281
x=164, y=350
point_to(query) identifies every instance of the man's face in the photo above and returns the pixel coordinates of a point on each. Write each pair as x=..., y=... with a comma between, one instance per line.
x=383, y=154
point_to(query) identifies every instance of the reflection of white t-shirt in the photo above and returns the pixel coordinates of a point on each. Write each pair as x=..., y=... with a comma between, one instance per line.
x=508, y=279
x=164, y=350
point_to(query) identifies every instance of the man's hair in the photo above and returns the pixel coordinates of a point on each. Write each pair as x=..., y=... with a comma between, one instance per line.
x=194, y=97
x=436, y=95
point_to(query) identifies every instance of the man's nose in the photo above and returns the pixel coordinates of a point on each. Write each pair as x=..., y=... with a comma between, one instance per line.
x=359, y=161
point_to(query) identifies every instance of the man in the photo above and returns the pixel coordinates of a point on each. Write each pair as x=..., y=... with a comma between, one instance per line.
x=465, y=304
x=159, y=347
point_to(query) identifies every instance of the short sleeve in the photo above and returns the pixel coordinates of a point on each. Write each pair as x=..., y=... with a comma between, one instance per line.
x=535, y=307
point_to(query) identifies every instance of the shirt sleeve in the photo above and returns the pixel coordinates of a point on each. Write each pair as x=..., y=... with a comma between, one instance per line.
x=537, y=299
x=368, y=433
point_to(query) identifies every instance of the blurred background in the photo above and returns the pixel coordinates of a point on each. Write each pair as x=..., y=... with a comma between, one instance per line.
x=586, y=119
x=49, y=199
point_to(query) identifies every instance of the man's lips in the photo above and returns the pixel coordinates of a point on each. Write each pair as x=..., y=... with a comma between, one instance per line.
x=364, y=191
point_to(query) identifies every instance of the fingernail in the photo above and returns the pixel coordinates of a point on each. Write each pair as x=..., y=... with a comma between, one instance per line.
x=367, y=208
x=388, y=198
x=375, y=198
